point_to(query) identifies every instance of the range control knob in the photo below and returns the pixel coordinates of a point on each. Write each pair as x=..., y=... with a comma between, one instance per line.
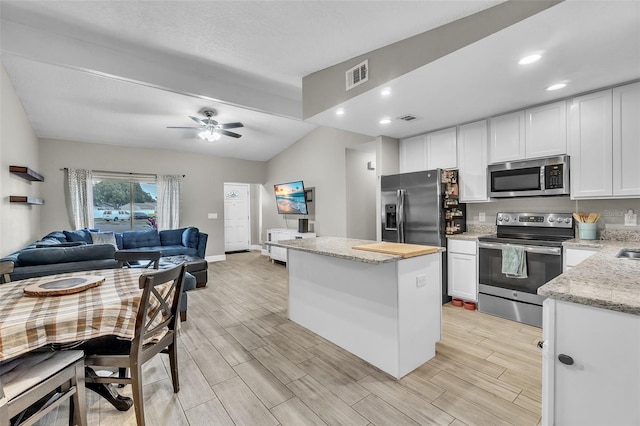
x=500, y=218
x=551, y=219
x=568, y=220
x=506, y=218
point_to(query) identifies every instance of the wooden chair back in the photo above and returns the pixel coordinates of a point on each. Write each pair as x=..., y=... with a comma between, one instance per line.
x=6, y=268
x=155, y=332
x=127, y=258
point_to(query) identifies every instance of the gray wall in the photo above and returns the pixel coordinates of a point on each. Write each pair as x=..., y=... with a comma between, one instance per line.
x=362, y=186
x=320, y=160
x=202, y=188
x=325, y=89
x=19, y=223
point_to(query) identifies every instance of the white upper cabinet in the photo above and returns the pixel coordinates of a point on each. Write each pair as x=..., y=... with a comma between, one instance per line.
x=626, y=140
x=506, y=142
x=413, y=154
x=546, y=130
x=435, y=150
x=605, y=152
x=533, y=133
x=590, y=137
x=472, y=162
x=441, y=149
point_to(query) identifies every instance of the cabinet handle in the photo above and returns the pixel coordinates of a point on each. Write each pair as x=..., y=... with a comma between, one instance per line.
x=540, y=344
x=565, y=359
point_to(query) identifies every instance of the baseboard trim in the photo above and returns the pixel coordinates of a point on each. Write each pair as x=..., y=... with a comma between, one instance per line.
x=255, y=247
x=218, y=258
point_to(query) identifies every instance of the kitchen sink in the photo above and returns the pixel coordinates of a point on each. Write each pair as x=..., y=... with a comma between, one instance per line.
x=629, y=254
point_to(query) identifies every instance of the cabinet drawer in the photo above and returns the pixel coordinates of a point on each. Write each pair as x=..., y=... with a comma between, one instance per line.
x=461, y=246
x=576, y=256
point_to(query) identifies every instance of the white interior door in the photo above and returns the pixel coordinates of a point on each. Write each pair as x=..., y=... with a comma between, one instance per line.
x=236, y=217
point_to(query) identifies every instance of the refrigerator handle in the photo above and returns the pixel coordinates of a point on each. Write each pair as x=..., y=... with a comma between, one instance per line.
x=400, y=203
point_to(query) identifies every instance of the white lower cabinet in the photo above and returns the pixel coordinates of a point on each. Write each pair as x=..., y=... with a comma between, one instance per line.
x=279, y=234
x=462, y=270
x=590, y=366
x=574, y=256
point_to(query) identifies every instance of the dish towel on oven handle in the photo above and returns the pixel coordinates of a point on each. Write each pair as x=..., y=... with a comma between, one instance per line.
x=514, y=261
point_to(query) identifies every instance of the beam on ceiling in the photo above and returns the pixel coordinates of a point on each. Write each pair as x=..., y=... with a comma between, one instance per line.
x=326, y=88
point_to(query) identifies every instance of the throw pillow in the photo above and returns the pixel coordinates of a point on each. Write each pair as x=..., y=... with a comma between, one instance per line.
x=104, y=238
x=79, y=235
x=190, y=237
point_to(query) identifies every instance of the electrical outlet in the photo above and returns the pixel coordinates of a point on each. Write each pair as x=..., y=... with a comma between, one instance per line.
x=212, y=216
x=421, y=281
x=482, y=217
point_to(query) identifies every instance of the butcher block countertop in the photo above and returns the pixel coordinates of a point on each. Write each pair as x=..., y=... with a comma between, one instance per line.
x=358, y=250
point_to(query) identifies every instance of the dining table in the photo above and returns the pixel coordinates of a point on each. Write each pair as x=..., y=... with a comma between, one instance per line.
x=29, y=322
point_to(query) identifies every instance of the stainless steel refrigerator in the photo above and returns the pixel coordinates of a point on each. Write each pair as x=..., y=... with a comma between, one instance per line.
x=413, y=212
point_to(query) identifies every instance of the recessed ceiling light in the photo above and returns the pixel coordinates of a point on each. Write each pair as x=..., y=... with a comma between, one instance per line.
x=386, y=91
x=529, y=59
x=340, y=111
x=385, y=121
x=556, y=86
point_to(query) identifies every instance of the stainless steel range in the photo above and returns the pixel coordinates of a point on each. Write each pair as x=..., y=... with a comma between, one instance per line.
x=538, y=238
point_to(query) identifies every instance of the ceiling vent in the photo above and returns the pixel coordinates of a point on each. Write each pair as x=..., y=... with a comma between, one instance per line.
x=358, y=75
x=408, y=117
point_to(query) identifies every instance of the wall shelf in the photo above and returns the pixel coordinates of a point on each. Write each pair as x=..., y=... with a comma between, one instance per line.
x=26, y=173
x=25, y=200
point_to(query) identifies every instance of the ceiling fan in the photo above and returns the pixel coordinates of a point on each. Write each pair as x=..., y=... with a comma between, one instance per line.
x=210, y=129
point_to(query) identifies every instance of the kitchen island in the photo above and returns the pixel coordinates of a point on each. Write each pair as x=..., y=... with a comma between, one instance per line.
x=591, y=329
x=383, y=308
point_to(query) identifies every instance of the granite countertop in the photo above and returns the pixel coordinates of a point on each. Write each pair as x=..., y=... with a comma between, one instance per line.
x=339, y=247
x=474, y=231
x=469, y=236
x=602, y=281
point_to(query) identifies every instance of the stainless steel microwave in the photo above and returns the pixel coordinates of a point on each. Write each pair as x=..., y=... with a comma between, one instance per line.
x=530, y=178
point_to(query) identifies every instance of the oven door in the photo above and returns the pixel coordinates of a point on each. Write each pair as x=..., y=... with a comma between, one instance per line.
x=543, y=264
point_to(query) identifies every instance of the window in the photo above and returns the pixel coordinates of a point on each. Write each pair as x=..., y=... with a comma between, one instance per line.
x=124, y=202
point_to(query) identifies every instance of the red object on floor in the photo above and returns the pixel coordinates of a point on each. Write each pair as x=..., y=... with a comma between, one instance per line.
x=456, y=302
x=470, y=306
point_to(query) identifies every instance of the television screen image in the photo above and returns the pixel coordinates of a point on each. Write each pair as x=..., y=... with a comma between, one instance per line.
x=290, y=198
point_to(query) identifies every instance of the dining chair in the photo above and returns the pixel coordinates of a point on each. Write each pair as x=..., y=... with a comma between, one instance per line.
x=155, y=332
x=34, y=384
x=6, y=268
x=130, y=258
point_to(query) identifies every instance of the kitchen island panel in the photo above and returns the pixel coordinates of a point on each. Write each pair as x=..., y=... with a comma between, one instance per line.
x=378, y=312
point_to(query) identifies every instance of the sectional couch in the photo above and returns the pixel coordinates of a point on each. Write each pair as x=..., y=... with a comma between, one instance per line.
x=87, y=249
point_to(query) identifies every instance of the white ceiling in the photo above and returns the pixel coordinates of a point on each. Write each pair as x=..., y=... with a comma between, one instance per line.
x=586, y=44
x=119, y=72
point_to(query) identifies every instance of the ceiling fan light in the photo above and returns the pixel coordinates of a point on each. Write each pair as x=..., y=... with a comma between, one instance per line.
x=209, y=135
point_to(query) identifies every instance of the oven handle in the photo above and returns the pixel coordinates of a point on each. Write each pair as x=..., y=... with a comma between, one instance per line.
x=554, y=251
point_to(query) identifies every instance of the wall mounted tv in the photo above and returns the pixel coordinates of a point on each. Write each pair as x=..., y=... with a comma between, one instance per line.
x=290, y=198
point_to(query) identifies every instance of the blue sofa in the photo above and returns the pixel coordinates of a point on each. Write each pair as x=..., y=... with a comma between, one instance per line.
x=84, y=250
x=72, y=251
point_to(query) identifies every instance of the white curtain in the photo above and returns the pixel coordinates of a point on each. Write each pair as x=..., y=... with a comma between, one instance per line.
x=168, y=191
x=81, y=194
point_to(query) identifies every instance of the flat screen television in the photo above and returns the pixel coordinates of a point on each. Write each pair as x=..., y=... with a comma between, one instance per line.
x=290, y=198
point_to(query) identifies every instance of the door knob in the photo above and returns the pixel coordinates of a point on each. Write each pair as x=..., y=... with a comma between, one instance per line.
x=565, y=359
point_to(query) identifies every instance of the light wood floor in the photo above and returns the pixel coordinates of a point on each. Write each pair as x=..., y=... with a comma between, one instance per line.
x=242, y=362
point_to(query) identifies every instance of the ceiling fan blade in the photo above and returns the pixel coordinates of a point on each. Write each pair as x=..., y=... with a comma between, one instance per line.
x=197, y=120
x=233, y=135
x=231, y=125
x=174, y=127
